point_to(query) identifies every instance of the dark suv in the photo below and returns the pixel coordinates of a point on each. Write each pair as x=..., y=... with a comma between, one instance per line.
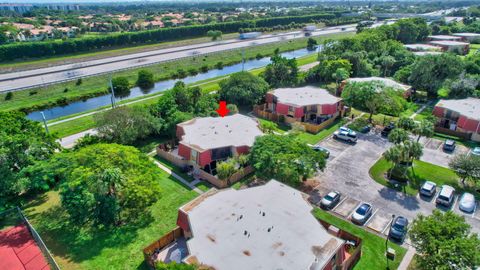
x=386, y=130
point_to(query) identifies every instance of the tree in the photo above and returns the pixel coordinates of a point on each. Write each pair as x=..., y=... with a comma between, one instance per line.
x=429, y=72
x=467, y=167
x=424, y=128
x=267, y=127
x=394, y=155
x=243, y=88
x=281, y=72
x=326, y=70
x=411, y=151
x=108, y=184
x=284, y=158
x=373, y=104
x=444, y=241
x=340, y=75
x=214, y=34
x=311, y=44
x=145, y=79
x=22, y=143
x=125, y=124
x=406, y=123
x=121, y=86
x=398, y=136
x=226, y=169
x=387, y=62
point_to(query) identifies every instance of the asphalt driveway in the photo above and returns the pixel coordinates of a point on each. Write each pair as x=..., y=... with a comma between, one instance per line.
x=347, y=172
x=433, y=152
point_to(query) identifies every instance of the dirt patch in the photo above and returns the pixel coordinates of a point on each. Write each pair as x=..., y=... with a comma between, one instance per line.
x=309, y=185
x=246, y=252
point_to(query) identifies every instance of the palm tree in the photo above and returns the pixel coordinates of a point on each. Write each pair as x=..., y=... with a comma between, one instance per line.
x=225, y=170
x=398, y=136
x=424, y=128
x=394, y=155
x=412, y=151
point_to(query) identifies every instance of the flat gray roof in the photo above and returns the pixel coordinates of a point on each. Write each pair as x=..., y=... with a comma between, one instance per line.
x=216, y=132
x=426, y=53
x=388, y=82
x=467, y=34
x=423, y=47
x=231, y=230
x=304, y=96
x=468, y=107
x=449, y=43
x=444, y=37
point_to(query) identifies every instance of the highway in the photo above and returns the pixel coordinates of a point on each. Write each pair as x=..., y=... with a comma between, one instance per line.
x=20, y=80
x=39, y=77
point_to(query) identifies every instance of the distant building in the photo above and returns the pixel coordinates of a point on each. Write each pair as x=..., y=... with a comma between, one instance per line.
x=19, y=8
x=459, y=117
x=422, y=47
x=452, y=46
x=444, y=37
x=406, y=89
x=204, y=141
x=62, y=7
x=304, y=104
x=263, y=227
x=468, y=37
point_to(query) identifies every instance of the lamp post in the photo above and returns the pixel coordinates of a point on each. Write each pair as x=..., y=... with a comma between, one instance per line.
x=386, y=243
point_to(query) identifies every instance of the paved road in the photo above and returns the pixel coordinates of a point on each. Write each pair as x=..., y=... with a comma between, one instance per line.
x=32, y=78
x=347, y=171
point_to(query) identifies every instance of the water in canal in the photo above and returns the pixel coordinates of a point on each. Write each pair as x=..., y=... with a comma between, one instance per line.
x=96, y=102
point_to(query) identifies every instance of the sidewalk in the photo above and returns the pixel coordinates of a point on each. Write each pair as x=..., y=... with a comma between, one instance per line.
x=407, y=258
x=178, y=177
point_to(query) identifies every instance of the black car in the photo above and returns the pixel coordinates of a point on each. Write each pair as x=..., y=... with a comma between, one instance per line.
x=449, y=145
x=386, y=130
x=398, y=230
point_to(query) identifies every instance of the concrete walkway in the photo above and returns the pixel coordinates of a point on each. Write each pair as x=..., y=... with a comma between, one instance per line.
x=407, y=259
x=419, y=110
x=178, y=177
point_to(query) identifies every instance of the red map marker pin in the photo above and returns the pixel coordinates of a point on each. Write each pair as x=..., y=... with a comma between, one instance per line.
x=222, y=108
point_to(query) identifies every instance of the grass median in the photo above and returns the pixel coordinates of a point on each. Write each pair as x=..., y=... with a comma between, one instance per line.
x=422, y=171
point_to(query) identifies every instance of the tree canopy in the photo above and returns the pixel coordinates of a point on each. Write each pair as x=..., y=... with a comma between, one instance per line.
x=444, y=241
x=281, y=72
x=284, y=158
x=243, y=88
x=22, y=143
x=107, y=184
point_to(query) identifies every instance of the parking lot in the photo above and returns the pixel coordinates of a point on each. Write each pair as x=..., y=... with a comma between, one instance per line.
x=433, y=152
x=347, y=172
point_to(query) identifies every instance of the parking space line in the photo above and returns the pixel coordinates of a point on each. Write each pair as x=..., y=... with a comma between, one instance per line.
x=351, y=213
x=388, y=225
x=340, y=202
x=370, y=218
x=455, y=203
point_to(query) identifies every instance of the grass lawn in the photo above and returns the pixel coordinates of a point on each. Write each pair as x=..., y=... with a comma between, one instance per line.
x=149, y=144
x=473, y=49
x=174, y=168
x=373, y=249
x=423, y=171
x=52, y=95
x=315, y=138
x=204, y=186
x=279, y=127
x=119, y=248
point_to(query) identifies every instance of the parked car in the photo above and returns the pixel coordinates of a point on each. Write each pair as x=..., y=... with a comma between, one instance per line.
x=428, y=189
x=362, y=213
x=449, y=145
x=345, y=134
x=467, y=202
x=475, y=151
x=366, y=129
x=446, y=196
x=321, y=149
x=330, y=200
x=386, y=130
x=399, y=228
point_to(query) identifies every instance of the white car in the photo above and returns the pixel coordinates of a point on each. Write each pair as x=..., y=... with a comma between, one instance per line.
x=348, y=130
x=428, y=189
x=475, y=151
x=467, y=202
x=345, y=136
x=362, y=213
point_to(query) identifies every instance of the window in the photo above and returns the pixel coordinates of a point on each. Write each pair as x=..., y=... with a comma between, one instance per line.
x=193, y=155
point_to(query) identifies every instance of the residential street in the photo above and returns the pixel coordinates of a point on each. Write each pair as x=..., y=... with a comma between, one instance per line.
x=347, y=172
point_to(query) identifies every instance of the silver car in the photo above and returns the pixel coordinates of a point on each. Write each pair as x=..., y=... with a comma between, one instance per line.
x=467, y=202
x=362, y=213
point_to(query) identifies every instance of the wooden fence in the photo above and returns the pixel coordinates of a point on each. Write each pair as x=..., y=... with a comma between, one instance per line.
x=313, y=128
x=220, y=183
x=161, y=243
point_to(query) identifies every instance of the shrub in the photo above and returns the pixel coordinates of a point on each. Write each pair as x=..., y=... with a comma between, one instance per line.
x=65, y=90
x=9, y=96
x=259, y=56
x=219, y=65
x=79, y=82
x=181, y=73
x=33, y=92
x=145, y=79
x=204, y=68
x=192, y=71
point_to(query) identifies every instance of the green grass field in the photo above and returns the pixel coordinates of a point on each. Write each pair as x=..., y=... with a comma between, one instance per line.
x=422, y=171
x=315, y=138
x=119, y=248
x=53, y=95
x=373, y=249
